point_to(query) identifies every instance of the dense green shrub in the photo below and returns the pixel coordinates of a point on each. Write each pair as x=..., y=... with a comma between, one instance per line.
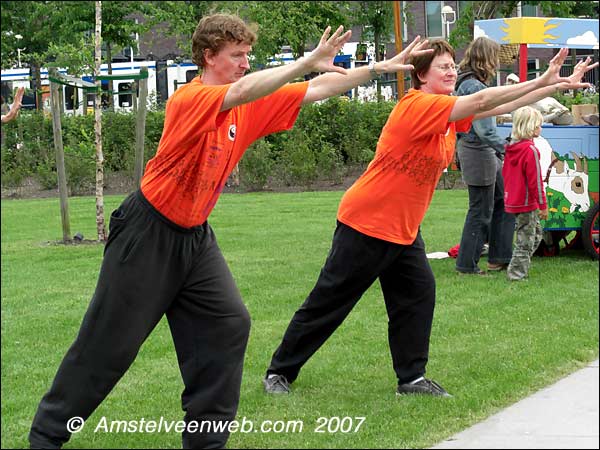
x=28, y=147
x=579, y=98
x=330, y=164
x=256, y=165
x=80, y=165
x=297, y=164
x=46, y=174
x=328, y=137
x=118, y=141
x=154, y=128
x=13, y=174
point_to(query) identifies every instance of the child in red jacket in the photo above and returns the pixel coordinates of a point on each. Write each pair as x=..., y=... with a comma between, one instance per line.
x=524, y=193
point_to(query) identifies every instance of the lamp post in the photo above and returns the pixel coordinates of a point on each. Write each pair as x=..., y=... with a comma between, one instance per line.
x=448, y=18
x=18, y=37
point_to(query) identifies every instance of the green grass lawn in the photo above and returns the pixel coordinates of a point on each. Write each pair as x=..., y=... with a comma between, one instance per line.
x=492, y=344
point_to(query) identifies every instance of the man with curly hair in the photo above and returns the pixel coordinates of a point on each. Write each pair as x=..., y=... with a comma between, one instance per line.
x=162, y=257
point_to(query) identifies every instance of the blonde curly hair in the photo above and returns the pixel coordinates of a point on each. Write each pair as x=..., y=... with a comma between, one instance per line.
x=525, y=122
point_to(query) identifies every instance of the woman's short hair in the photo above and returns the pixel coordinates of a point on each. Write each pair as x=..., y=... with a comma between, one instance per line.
x=482, y=57
x=525, y=121
x=215, y=30
x=422, y=63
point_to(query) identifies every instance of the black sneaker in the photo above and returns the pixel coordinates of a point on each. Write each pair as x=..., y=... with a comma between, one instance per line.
x=422, y=386
x=276, y=384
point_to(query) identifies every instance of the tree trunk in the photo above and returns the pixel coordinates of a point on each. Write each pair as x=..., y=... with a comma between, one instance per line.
x=234, y=177
x=377, y=59
x=140, y=128
x=398, y=43
x=298, y=50
x=36, y=84
x=100, y=226
x=60, y=157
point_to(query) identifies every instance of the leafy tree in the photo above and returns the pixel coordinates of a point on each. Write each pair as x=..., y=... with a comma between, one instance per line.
x=180, y=19
x=121, y=21
x=377, y=18
x=59, y=33
x=40, y=24
x=294, y=24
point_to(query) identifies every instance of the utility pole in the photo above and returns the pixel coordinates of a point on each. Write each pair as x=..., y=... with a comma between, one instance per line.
x=398, y=34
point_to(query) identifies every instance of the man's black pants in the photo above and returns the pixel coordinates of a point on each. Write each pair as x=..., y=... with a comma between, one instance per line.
x=153, y=267
x=354, y=263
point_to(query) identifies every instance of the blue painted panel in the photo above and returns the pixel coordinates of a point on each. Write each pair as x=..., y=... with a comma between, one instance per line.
x=566, y=139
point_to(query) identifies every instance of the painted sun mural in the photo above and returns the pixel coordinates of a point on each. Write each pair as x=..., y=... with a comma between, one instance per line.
x=533, y=30
x=540, y=32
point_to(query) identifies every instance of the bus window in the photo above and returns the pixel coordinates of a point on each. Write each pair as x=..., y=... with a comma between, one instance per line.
x=190, y=75
x=125, y=100
x=91, y=99
x=70, y=98
x=28, y=101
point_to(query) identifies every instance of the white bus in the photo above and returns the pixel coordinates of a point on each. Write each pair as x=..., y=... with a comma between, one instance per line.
x=163, y=79
x=353, y=54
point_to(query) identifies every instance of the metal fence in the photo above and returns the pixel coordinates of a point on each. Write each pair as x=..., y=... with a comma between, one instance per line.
x=590, y=77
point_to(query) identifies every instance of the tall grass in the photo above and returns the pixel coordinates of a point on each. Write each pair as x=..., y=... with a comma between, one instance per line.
x=493, y=342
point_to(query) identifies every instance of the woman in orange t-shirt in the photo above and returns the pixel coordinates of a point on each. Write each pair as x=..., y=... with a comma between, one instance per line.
x=378, y=234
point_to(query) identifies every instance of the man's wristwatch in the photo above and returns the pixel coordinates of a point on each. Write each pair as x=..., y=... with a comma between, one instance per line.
x=372, y=72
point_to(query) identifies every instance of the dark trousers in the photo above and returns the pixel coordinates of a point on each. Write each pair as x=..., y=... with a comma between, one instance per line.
x=486, y=221
x=153, y=267
x=354, y=263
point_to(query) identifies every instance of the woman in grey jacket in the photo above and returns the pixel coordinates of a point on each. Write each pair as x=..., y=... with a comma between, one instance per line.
x=480, y=153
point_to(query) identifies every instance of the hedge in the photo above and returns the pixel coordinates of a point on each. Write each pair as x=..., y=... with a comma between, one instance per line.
x=328, y=139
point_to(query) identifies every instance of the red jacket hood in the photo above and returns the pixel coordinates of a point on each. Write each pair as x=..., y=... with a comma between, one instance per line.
x=518, y=150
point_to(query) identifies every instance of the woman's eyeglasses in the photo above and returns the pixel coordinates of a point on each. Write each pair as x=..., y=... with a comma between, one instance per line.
x=447, y=68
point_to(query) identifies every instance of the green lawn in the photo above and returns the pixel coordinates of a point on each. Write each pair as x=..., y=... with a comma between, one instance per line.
x=492, y=344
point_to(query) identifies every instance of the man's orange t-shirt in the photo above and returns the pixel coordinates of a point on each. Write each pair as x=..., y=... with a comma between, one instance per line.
x=391, y=198
x=200, y=146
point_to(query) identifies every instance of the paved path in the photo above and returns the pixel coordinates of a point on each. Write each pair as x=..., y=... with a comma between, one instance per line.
x=564, y=415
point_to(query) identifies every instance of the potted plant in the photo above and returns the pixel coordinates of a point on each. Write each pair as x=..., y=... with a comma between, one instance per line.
x=581, y=104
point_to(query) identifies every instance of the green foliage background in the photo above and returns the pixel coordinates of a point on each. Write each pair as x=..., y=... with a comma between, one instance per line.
x=328, y=140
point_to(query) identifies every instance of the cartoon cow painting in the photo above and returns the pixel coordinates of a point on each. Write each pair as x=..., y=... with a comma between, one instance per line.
x=558, y=175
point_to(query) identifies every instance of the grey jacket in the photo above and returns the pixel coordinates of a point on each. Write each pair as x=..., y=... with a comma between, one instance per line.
x=480, y=149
